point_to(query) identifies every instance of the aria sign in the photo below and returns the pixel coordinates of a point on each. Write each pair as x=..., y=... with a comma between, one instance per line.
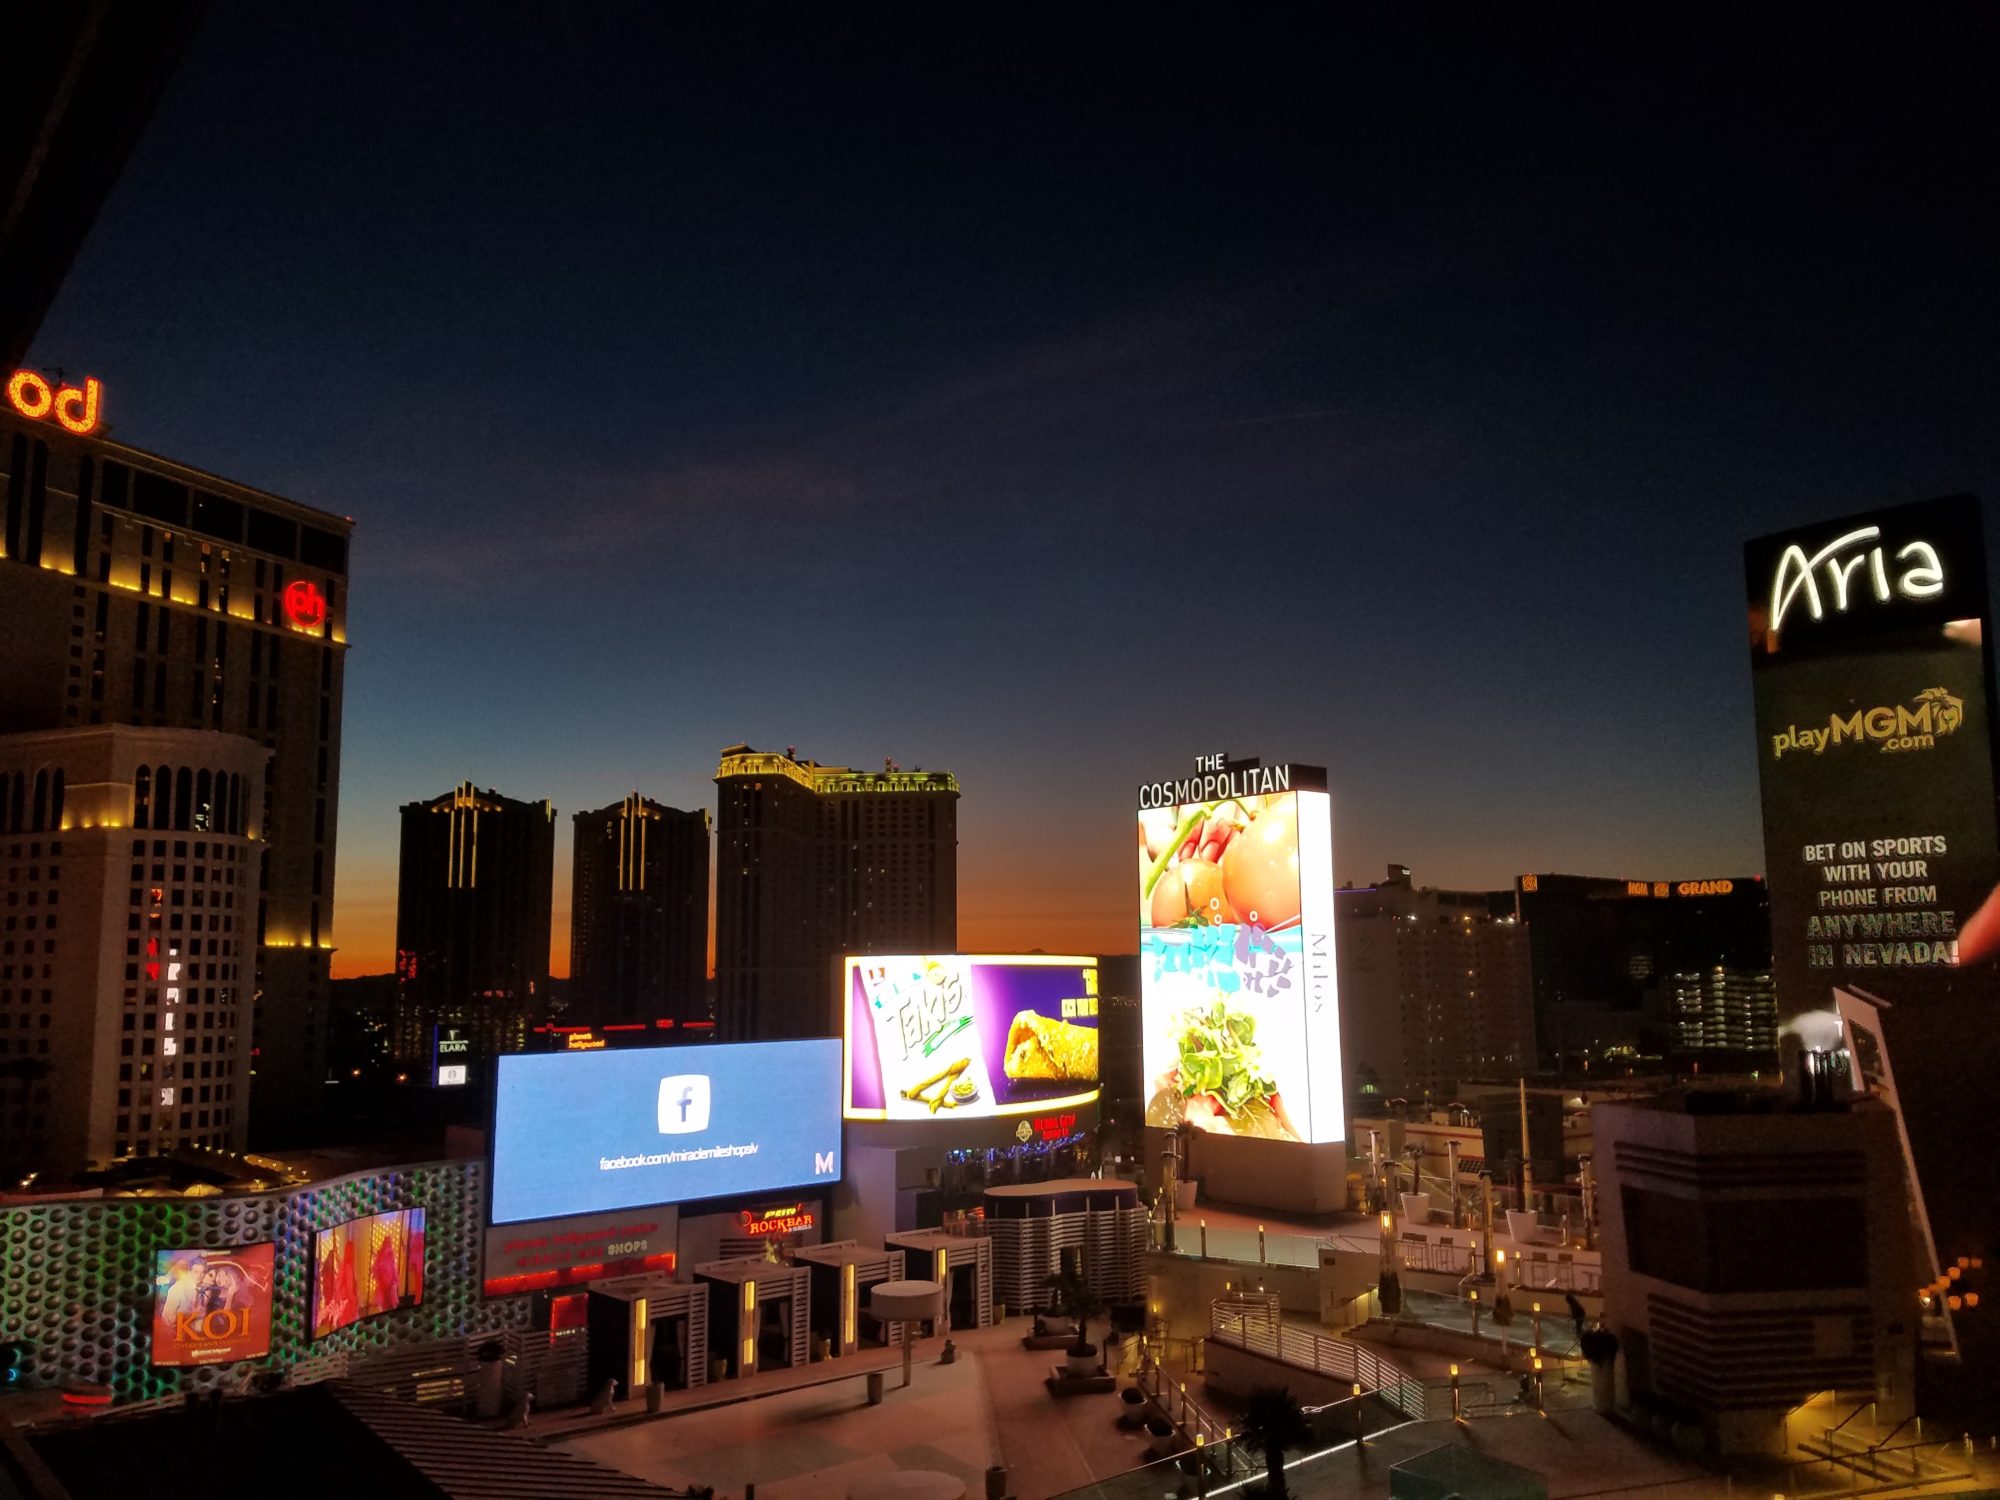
x=74, y=407
x=1920, y=575
x=1835, y=585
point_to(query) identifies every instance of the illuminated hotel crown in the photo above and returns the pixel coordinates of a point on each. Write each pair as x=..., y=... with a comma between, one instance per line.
x=741, y=760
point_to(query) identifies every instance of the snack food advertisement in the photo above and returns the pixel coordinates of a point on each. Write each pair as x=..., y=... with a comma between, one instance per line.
x=1241, y=1028
x=957, y=1036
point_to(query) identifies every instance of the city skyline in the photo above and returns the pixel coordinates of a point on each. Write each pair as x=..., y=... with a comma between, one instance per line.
x=1167, y=430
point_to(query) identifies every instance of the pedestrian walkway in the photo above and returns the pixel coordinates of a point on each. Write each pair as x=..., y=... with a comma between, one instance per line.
x=814, y=1442
x=577, y=1421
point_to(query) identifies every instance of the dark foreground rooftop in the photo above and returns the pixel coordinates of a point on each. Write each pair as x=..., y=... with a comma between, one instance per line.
x=325, y=1440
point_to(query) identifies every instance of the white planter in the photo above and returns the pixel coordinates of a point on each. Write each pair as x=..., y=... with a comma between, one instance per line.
x=1416, y=1208
x=1604, y=1387
x=1522, y=1227
x=1184, y=1196
x=1083, y=1364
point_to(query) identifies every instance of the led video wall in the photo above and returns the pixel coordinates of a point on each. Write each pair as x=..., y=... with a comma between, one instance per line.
x=959, y=1036
x=592, y=1132
x=367, y=1267
x=1240, y=1017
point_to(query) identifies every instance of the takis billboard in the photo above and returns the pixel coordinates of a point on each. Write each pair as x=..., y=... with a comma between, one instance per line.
x=955, y=1036
x=1240, y=1008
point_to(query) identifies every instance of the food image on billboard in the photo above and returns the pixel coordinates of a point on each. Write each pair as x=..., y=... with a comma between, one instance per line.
x=956, y=1036
x=1241, y=1031
x=212, y=1307
x=367, y=1267
x=593, y=1132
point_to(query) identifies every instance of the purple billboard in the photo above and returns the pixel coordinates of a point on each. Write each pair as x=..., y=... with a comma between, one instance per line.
x=956, y=1036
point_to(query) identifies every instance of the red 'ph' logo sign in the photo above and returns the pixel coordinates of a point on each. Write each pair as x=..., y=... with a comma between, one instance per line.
x=305, y=605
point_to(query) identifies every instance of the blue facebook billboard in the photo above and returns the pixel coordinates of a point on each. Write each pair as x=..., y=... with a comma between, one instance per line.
x=585, y=1132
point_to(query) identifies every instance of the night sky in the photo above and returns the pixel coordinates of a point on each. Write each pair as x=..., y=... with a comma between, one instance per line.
x=1053, y=398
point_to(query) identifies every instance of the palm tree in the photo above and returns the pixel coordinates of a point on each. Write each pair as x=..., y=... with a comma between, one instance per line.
x=1075, y=1300
x=1274, y=1423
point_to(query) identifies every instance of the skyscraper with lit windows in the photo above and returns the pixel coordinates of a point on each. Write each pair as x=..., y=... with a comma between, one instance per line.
x=139, y=591
x=474, y=886
x=638, y=950
x=815, y=862
x=130, y=859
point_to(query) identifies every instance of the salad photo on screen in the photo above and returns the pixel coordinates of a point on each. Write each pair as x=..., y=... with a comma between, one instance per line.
x=1219, y=918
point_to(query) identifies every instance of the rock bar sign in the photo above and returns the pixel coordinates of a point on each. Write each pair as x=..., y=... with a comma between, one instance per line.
x=1870, y=646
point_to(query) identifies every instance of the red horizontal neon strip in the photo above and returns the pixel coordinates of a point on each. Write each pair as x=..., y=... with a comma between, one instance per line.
x=699, y=1025
x=535, y=1281
x=566, y=1030
x=664, y=1025
x=628, y=1026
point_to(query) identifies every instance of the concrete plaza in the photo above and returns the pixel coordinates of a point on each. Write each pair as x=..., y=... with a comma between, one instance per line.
x=988, y=1407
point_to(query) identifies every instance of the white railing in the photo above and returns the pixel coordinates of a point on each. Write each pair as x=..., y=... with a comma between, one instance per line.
x=1448, y=1259
x=1240, y=1246
x=1200, y=1424
x=1542, y=1273
x=1258, y=1331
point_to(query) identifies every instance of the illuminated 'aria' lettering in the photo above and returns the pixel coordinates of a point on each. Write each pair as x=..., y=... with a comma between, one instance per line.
x=1839, y=560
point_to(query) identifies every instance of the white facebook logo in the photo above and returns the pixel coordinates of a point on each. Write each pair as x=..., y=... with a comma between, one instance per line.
x=684, y=1100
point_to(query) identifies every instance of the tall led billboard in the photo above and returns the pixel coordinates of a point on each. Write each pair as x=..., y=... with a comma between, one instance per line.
x=212, y=1307
x=1240, y=1008
x=593, y=1132
x=954, y=1036
x=367, y=1267
x=1871, y=655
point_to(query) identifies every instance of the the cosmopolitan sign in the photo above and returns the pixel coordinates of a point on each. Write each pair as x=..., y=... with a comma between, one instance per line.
x=1214, y=780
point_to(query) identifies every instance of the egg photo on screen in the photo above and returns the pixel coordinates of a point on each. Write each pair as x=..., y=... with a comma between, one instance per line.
x=1219, y=919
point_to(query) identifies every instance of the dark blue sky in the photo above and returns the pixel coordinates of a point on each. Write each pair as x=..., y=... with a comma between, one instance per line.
x=1053, y=398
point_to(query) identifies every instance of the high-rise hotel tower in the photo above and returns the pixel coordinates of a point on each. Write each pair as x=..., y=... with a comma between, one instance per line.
x=638, y=947
x=814, y=862
x=473, y=889
x=138, y=591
